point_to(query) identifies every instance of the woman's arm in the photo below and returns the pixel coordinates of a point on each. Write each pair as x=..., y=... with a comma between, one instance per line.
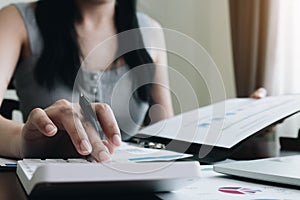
x=57, y=131
x=12, y=38
x=161, y=96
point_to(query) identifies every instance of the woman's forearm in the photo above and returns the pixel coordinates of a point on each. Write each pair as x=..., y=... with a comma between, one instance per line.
x=10, y=138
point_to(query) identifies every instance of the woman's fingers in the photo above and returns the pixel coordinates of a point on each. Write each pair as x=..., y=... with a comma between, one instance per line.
x=108, y=123
x=100, y=152
x=78, y=135
x=109, y=146
x=66, y=116
x=102, y=149
x=69, y=119
x=39, y=120
x=84, y=137
x=259, y=93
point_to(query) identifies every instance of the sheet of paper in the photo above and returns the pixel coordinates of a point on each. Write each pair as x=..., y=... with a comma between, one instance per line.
x=214, y=186
x=4, y=162
x=226, y=123
x=132, y=153
x=125, y=153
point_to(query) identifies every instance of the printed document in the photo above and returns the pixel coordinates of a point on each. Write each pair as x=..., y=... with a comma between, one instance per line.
x=226, y=123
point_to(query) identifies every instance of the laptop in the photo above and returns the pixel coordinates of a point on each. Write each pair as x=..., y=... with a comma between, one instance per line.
x=283, y=170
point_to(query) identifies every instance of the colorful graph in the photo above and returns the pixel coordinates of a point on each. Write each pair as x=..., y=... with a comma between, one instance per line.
x=238, y=190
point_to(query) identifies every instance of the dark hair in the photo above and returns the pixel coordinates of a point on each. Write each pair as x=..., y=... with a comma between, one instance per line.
x=60, y=60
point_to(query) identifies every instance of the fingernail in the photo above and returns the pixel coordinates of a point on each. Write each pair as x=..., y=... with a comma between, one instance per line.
x=104, y=156
x=50, y=128
x=85, y=147
x=117, y=140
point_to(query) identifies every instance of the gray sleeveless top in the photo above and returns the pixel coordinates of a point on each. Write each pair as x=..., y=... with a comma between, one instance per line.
x=115, y=87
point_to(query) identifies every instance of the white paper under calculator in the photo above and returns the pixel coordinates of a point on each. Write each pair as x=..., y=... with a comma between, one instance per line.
x=131, y=153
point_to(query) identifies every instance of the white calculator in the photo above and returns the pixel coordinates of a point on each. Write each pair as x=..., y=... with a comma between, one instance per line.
x=77, y=176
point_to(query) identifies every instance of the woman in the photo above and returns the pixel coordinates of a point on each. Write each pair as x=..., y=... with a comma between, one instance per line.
x=42, y=45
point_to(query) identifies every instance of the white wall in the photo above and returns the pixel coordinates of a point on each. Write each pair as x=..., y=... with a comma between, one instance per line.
x=206, y=21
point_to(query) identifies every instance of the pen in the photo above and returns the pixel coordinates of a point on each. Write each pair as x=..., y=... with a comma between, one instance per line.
x=89, y=114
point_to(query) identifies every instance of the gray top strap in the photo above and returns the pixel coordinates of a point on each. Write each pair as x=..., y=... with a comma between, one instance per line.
x=35, y=39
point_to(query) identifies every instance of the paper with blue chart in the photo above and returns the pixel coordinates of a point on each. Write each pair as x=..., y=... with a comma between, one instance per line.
x=125, y=153
x=226, y=123
x=132, y=153
x=5, y=162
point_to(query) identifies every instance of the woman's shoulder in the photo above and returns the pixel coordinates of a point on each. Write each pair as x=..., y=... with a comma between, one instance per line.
x=18, y=13
x=15, y=9
x=11, y=20
x=9, y=12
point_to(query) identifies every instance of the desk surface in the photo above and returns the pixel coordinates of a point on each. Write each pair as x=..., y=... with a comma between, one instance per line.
x=10, y=187
x=211, y=186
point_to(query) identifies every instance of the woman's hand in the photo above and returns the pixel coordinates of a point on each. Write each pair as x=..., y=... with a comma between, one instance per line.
x=60, y=131
x=259, y=93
